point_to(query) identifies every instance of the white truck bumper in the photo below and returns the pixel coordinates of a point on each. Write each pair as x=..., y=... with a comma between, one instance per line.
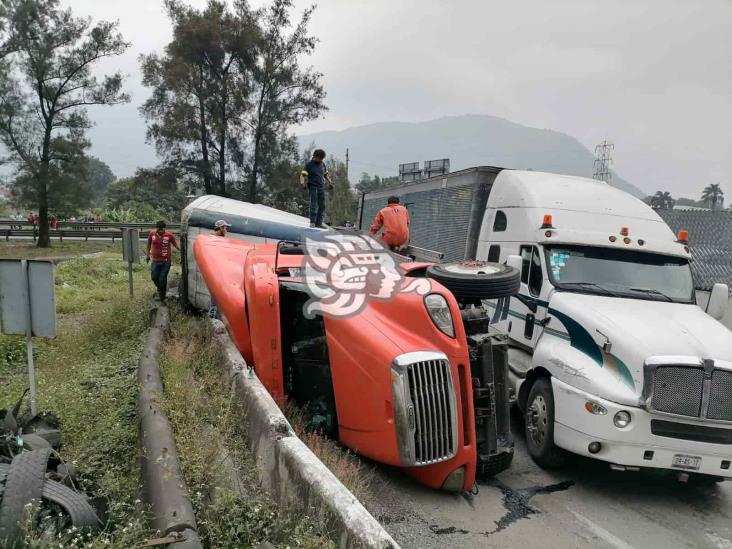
x=635, y=445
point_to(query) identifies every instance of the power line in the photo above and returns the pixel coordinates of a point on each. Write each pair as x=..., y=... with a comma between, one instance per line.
x=603, y=161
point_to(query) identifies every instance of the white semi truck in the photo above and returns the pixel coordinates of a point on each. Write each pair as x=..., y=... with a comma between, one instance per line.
x=610, y=356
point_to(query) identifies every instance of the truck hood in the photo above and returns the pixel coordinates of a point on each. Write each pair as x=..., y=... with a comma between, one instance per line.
x=637, y=329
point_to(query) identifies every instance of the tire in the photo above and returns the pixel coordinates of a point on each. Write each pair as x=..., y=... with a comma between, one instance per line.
x=493, y=465
x=74, y=504
x=23, y=484
x=539, y=426
x=477, y=280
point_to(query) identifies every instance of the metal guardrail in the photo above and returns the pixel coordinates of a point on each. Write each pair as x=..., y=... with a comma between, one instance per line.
x=83, y=226
x=64, y=233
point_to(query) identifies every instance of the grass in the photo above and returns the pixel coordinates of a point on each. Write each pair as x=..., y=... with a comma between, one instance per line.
x=87, y=377
x=23, y=249
x=347, y=467
x=203, y=416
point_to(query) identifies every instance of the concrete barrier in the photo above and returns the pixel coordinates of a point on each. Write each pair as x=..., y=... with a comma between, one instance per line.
x=287, y=469
x=164, y=489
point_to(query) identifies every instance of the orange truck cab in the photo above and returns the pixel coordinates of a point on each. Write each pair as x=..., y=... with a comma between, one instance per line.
x=417, y=381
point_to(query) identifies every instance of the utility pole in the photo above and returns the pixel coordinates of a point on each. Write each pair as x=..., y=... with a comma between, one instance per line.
x=603, y=160
x=347, y=161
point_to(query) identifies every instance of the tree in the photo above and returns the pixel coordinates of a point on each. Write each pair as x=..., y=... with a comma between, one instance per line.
x=713, y=195
x=367, y=184
x=200, y=90
x=342, y=201
x=99, y=176
x=150, y=193
x=285, y=94
x=662, y=201
x=46, y=81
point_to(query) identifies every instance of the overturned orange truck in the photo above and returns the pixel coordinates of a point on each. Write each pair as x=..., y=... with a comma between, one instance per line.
x=396, y=359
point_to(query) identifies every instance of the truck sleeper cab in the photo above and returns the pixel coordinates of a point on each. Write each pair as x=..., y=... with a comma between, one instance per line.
x=386, y=382
x=610, y=355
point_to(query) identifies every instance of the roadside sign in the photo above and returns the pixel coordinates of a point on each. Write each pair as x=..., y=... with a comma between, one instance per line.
x=28, y=306
x=131, y=245
x=14, y=291
x=130, y=252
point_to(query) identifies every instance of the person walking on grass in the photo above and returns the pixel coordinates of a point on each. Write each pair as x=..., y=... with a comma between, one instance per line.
x=159, y=254
x=313, y=178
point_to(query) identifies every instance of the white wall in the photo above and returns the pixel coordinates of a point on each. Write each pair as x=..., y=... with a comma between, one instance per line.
x=702, y=299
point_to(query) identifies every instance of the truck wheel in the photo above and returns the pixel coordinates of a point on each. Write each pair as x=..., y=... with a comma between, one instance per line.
x=539, y=421
x=493, y=465
x=477, y=279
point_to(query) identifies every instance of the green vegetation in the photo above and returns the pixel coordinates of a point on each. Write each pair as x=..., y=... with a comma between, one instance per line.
x=203, y=415
x=87, y=377
x=48, y=76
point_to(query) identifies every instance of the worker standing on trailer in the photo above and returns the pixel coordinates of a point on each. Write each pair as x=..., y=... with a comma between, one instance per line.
x=159, y=254
x=313, y=178
x=394, y=219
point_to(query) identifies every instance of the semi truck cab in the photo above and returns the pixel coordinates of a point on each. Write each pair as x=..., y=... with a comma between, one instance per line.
x=611, y=357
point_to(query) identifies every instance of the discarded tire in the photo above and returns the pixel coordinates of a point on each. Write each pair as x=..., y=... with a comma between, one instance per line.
x=25, y=481
x=476, y=280
x=23, y=484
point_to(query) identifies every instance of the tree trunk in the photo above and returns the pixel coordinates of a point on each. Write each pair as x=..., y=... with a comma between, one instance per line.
x=255, y=170
x=204, y=143
x=222, y=138
x=44, y=238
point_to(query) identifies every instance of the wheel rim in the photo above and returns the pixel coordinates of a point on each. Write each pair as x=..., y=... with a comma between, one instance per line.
x=537, y=420
x=471, y=268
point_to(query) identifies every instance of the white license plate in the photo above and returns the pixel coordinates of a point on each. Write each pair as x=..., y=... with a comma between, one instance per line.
x=690, y=463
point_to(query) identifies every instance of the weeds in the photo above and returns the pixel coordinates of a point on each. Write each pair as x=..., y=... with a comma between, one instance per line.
x=346, y=466
x=203, y=416
x=87, y=377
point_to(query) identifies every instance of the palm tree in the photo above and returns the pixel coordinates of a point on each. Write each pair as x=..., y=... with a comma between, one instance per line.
x=662, y=200
x=713, y=195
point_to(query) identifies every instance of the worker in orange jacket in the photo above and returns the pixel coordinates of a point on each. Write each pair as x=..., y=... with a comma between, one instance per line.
x=394, y=218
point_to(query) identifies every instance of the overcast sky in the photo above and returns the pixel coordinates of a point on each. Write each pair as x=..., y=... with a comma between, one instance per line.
x=653, y=76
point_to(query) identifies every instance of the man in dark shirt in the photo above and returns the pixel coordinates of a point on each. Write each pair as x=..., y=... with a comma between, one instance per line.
x=313, y=178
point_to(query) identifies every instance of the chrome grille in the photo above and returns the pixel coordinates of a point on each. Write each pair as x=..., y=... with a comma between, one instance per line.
x=720, y=396
x=678, y=390
x=432, y=397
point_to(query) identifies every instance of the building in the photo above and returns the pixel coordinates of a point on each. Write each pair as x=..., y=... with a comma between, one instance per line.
x=710, y=240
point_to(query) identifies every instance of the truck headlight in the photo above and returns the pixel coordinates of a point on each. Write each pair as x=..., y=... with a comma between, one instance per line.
x=440, y=313
x=621, y=419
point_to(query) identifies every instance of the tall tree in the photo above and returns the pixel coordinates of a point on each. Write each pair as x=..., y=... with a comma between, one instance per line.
x=46, y=81
x=200, y=89
x=342, y=202
x=713, y=195
x=285, y=93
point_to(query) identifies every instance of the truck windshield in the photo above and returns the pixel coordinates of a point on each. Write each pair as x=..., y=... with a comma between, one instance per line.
x=625, y=273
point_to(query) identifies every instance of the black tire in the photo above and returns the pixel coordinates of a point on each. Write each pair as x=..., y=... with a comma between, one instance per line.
x=23, y=484
x=477, y=279
x=76, y=505
x=490, y=467
x=539, y=426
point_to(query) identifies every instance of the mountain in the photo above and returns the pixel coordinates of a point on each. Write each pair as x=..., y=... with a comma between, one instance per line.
x=470, y=140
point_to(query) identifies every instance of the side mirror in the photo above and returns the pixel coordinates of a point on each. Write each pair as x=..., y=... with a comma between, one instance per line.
x=718, y=301
x=514, y=261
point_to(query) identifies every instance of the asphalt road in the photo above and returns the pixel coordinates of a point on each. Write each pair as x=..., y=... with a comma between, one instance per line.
x=585, y=504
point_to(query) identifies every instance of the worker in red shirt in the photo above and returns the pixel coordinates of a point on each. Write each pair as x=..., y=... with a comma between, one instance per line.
x=395, y=221
x=159, y=255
